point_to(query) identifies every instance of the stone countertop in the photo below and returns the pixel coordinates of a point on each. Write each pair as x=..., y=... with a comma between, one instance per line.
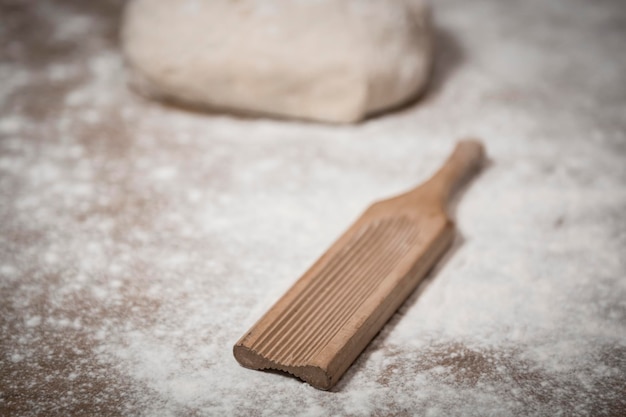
x=138, y=242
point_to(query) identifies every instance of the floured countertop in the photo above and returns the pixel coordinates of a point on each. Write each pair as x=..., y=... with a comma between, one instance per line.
x=138, y=241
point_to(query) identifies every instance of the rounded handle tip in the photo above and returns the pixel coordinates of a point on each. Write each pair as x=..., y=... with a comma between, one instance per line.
x=472, y=150
x=466, y=160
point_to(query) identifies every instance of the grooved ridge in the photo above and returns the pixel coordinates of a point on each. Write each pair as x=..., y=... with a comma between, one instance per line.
x=333, y=296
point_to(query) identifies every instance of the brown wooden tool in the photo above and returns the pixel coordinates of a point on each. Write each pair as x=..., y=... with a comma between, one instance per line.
x=320, y=326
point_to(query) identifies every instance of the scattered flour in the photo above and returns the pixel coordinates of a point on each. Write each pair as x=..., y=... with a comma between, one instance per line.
x=139, y=242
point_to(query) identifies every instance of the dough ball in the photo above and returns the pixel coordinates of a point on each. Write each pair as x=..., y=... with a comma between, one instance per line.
x=324, y=60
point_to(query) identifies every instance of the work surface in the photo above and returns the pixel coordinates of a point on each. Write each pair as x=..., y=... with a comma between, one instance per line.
x=138, y=242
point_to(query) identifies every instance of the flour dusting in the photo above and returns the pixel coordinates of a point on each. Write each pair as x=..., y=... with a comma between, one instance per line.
x=138, y=242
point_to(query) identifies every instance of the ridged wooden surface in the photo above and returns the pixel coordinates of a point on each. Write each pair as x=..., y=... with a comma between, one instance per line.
x=321, y=325
x=329, y=300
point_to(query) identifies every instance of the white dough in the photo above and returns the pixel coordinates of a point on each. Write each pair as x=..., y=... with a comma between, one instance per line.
x=325, y=60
